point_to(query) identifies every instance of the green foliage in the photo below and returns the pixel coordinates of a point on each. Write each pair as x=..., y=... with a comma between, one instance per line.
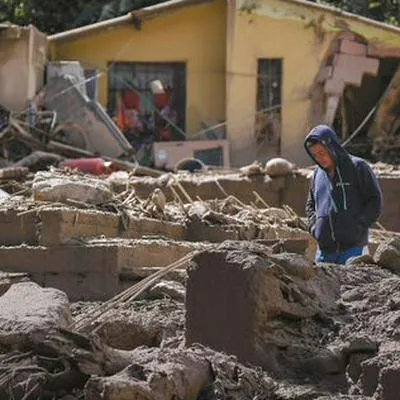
x=52, y=16
x=379, y=10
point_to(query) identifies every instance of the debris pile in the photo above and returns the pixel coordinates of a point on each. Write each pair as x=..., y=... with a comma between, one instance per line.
x=176, y=296
x=318, y=332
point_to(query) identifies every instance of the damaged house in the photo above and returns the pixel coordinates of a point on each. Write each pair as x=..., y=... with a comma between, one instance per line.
x=22, y=63
x=270, y=68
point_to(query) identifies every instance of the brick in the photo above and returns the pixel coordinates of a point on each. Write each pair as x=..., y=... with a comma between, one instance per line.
x=324, y=74
x=201, y=231
x=383, y=51
x=60, y=226
x=365, y=65
x=350, y=75
x=331, y=109
x=334, y=87
x=16, y=229
x=142, y=226
x=134, y=257
x=353, y=48
x=84, y=273
x=348, y=36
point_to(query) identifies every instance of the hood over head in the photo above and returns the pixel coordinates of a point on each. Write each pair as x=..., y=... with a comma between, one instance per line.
x=326, y=136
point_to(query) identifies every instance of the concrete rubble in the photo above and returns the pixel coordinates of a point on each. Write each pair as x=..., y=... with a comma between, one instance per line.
x=187, y=286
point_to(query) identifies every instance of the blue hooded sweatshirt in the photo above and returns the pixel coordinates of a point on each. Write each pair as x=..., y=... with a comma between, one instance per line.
x=341, y=208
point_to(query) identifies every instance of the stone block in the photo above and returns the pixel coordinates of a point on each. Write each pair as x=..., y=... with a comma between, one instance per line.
x=82, y=272
x=235, y=298
x=143, y=226
x=16, y=229
x=26, y=309
x=325, y=73
x=60, y=226
x=201, y=231
x=55, y=187
x=138, y=258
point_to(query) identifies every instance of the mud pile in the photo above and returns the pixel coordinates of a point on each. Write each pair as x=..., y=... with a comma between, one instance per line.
x=196, y=297
x=333, y=334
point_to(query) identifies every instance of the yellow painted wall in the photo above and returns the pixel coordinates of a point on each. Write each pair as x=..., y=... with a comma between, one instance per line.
x=260, y=37
x=195, y=35
x=299, y=35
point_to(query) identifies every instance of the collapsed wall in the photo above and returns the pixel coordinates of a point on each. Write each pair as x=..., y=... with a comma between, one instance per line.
x=90, y=236
x=290, y=190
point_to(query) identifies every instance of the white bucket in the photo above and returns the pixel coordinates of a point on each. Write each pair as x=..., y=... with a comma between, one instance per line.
x=156, y=87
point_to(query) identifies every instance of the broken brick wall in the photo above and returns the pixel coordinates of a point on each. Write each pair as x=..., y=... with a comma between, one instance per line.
x=23, y=56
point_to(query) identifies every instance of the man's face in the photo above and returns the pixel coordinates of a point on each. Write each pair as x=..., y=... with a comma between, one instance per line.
x=322, y=155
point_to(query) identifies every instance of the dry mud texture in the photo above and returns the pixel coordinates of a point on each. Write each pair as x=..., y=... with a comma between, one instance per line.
x=324, y=333
x=336, y=333
x=338, y=338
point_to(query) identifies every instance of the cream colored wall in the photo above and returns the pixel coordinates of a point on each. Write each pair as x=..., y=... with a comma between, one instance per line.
x=38, y=58
x=195, y=35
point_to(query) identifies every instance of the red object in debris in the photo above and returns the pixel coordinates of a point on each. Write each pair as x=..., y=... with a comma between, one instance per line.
x=161, y=99
x=94, y=166
x=131, y=100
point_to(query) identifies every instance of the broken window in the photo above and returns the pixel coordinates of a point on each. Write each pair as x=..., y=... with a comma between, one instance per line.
x=142, y=113
x=92, y=83
x=269, y=99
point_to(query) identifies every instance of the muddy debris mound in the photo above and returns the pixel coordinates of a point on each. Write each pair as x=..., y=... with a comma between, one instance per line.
x=26, y=309
x=387, y=255
x=151, y=323
x=264, y=326
x=335, y=327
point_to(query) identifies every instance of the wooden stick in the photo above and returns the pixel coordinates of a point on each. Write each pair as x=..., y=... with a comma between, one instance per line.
x=220, y=187
x=131, y=293
x=183, y=190
x=258, y=197
x=381, y=226
x=254, y=205
x=33, y=210
x=130, y=196
x=176, y=195
x=227, y=194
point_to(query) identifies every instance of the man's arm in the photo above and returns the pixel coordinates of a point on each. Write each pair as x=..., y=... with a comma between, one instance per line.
x=371, y=194
x=310, y=208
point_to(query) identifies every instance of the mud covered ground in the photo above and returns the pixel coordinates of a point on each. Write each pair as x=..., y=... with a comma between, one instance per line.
x=360, y=333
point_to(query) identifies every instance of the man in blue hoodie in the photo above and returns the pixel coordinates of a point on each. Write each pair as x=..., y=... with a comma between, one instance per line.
x=344, y=198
